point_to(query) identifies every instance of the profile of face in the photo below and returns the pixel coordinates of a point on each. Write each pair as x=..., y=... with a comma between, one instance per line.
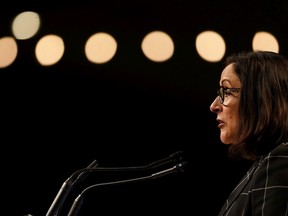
x=226, y=104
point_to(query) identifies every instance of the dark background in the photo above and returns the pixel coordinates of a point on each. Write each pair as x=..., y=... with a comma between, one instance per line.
x=127, y=112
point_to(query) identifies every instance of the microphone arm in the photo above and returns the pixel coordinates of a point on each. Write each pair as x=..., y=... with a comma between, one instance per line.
x=75, y=208
x=65, y=189
x=82, y=173
x=175, y=157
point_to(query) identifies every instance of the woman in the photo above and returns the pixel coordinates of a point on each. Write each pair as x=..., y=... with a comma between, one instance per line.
x=252, y=115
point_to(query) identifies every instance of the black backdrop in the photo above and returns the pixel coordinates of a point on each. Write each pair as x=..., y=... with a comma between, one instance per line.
x=127, y=112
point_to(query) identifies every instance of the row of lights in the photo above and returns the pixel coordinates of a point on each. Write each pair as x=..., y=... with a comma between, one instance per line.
x=101, y=47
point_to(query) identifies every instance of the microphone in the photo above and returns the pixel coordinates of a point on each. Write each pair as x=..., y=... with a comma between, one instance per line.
x=65, y=189
x=175, y=157
x=75, y=208
x=82, y=173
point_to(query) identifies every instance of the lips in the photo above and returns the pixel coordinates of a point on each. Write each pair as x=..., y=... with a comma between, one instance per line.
x=220, y=123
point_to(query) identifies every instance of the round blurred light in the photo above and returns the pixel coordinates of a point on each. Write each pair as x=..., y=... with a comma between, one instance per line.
x=265, y=41
x=100, y=48
x=210, y=46
x=25, y=25
x=8, y=51
x=49, y=50
x=158, y=46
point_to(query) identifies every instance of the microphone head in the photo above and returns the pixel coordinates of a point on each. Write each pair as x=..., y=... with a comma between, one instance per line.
x=177, y=156
x=172, y=158
x=182, y=167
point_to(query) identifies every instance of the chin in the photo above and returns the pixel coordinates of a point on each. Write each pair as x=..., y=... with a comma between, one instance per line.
x=225, y=140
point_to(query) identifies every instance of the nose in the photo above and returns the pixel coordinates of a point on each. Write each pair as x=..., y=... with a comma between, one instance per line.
x=215, y=106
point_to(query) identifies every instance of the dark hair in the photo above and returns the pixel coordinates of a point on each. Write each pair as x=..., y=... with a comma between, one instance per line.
x=263, y=105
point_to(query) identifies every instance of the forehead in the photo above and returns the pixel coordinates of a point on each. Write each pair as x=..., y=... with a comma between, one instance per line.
x=228, y=75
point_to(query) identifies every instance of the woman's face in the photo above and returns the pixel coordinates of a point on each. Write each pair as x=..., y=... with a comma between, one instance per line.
x=227, y=110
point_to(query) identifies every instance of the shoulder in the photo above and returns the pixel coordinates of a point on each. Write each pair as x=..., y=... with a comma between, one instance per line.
x=277, y=156
x=280, y=150
x=274, y=166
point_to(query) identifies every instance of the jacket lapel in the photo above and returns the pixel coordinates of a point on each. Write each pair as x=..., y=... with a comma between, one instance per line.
x=239, y=188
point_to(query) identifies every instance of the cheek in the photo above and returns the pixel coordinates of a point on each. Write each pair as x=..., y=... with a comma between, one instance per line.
x=228, y=133
x=233, y=121
x=233, y=114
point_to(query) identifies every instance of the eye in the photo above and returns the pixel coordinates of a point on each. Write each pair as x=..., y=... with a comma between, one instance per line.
x=227, y=91
x=230, y=91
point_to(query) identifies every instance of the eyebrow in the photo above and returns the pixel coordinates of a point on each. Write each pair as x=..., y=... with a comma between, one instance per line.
x=227, y=80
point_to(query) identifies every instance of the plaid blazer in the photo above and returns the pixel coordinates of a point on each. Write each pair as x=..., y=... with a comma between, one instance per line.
x=264, y=189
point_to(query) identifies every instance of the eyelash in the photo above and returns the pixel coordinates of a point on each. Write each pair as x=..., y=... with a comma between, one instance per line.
x=228, y=91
